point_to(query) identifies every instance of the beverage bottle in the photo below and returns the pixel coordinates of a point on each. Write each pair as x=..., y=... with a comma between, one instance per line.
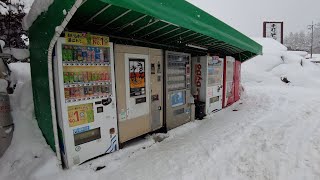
x=79, y=54
x=90, y=91
x=64, y=53
x=81, y=89
x=66, y=93
x=66, y=77
x=103, y=76
x=85, y=77
x=97, y=76
x=106, y=56
x=76, y=77
x=86, y=91
x=95, y=93
x=89, y=76
x=80, y=77
x=98, y=90
x=101, y=55
x=77, y=92
x=84, y=54
x=71, y=77
x=89, y=59
x=93, y=54
x=70, y=53
x=75, y=53
x=72, y=93
x=97, y=54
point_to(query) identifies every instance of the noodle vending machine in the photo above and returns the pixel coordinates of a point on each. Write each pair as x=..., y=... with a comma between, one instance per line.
x=207, y=81
x=85, y=97
x=177, y=90
x=228, y=81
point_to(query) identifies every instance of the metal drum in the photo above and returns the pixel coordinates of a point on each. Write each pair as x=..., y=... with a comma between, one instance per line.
x=6, y=123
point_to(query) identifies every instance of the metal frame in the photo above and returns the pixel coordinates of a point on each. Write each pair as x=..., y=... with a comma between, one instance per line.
x=155, y=30
x=98, y=13
x=120, y=16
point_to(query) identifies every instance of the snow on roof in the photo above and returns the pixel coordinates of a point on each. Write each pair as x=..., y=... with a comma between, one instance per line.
x=270, y=45
x=38, y=7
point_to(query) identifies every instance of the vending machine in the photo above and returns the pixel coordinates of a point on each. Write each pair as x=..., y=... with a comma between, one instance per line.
x=228, y=82
x=237, y=81
x=178, y=89
x=85, y=97
x=207, y=81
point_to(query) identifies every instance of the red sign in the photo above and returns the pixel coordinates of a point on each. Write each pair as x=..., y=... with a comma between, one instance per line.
x=198, y=75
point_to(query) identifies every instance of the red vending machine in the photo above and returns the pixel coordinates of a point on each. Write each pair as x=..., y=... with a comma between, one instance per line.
x=237, y=81
x=228, y=81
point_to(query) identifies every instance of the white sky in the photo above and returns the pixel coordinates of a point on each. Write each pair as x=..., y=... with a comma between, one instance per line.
x=247, y=16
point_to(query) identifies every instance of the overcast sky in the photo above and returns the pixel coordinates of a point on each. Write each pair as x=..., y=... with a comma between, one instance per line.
x=247, y=15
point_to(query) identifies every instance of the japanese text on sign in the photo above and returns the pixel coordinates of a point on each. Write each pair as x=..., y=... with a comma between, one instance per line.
x=80, y=114
x=86, y=39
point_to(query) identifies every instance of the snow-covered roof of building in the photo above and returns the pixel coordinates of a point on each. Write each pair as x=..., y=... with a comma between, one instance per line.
x=38, y=7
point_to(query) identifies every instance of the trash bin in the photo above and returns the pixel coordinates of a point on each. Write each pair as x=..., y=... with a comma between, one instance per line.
x=200, y=109
x=6, y=123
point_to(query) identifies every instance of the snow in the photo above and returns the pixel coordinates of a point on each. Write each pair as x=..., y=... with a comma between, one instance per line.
x=38, y=7
x=19, y=54
x=2, y=44
x=274, y=134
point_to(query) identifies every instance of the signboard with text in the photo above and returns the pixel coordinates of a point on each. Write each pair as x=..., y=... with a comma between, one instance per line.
x=273, y=30
x=86, y=39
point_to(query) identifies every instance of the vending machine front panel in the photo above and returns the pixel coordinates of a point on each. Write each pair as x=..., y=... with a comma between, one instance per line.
x=86, y=103
x=229, y=81
x=237, y=81
x=177, y=90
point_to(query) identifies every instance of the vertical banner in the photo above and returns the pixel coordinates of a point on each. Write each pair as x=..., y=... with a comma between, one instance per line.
x=273, y=30
x=137, y=77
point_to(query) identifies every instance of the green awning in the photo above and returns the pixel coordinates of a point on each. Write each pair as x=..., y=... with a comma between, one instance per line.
x=171, y=24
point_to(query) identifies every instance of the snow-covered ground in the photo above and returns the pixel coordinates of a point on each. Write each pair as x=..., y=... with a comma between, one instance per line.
x=272, y=133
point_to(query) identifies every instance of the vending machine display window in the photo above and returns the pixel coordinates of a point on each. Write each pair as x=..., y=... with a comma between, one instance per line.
x=178, y=99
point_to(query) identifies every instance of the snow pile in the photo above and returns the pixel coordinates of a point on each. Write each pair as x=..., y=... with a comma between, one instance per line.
x=277, y=62
x=38, y=7
x=3, y=86
x=28, y=150
x=300, y=53
x=19, y=54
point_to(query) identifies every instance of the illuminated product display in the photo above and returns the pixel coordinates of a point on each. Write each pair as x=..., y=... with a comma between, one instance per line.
x=207, y=81
x=85, y=98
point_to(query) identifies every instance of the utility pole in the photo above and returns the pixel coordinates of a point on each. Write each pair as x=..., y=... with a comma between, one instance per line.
x=311, y=27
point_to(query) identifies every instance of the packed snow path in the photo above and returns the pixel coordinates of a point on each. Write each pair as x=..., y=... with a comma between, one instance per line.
x=274, y=134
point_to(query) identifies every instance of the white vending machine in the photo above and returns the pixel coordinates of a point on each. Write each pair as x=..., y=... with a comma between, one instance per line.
x=85, y=99
x=207, y=81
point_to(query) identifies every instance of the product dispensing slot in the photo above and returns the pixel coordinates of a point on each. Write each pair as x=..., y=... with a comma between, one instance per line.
x=141, y=100
x=87, y=136
x=99, y=109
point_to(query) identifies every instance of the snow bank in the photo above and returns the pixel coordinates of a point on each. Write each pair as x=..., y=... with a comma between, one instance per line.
x=300, y=53
x=3, y=86
x=271, y=46
x=38, y=7
x=19, y=54
x=2, y=44
x=277, y=62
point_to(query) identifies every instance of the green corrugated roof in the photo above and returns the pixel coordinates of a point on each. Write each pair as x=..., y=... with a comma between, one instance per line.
x=171, y=23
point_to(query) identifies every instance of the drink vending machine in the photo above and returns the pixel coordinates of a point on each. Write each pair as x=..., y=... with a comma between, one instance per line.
x=85, y=98
x=237, y=81
x=228, y=82
x=207, y=81
x=178, y=87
